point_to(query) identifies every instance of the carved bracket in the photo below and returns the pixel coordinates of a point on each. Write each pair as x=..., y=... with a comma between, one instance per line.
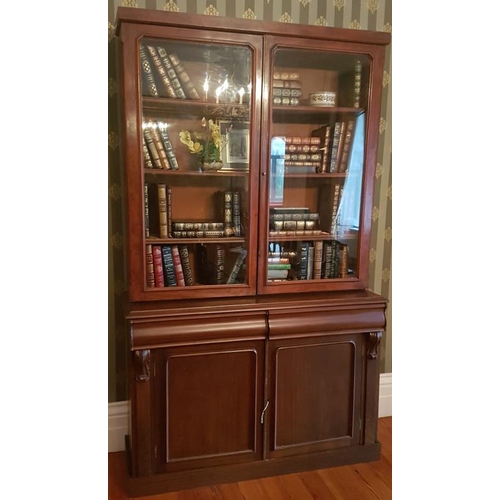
x=142, y=360
x=373, y=343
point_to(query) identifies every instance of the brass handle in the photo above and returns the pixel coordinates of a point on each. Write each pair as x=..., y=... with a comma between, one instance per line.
x=264, y=411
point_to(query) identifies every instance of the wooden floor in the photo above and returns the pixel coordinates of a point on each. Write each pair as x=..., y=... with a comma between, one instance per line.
x=368, y=481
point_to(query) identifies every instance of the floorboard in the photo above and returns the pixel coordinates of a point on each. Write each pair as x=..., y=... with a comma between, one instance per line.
x=369, y=481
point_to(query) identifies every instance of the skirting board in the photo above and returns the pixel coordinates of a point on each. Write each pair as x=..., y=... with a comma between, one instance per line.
x=118, y=414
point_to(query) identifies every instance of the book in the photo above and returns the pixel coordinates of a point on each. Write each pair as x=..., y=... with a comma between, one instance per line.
x=168, y=265
x=318, y=259
x=357, y=84
x=274, y=266
x=198, y=234
x=226, y=206
x=277, y=274
x=179, y=272
x=148, y=79
x=286, y=225
x=302, y=148
x=304, y=257
x=233, y=275
x=213, y=259
x=186, y=265
x=146, y=210
x=323, y=133
x=162, y=210
x=328, y=206
x=158, y=266
x=289, y=210
x=197, y=226
x=161, y=71
x=293, y=216
x=167, y=145
x=150, y=271
x=238, y=231
x=187, y=84
x=171, y=73
x=326, y=270
x=334, y=147
x=148, y=162
x=346, y=151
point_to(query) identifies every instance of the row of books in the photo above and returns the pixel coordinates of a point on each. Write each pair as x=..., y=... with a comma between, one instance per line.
x=293, y=221
x=156, y=146
x=336, y=144
x=323, y=260
x=158, y=216
x=308, y=260
x=164, y=75
x=287, y=89
x=168, y=265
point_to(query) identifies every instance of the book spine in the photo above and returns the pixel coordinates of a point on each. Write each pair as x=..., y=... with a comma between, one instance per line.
x=236, y=267
x=165, y=59
x=293, y=163
x=310, y=261
x=357, y=84
x=318, y=259
x=186, y=265
x=148, y=137
x=150, y=270
x=179, y=273
x=162, y=210
x=220, y=261
x=286, y=216
x=340, y=148
x=198, y=234
x=168, y=265
x=148, y=163
x=149, y=80
x=237, y=214
x=335, y=147
x=344, y=161
x=158, y=267
x=304, y=251
x=274, y=266
x=184, y=78
x=296, y=232
x=300, y=140
x=327, y=260
x=161, y=71
x=169, y=210
x=326, y=147
x=146, y=210
x=302, y=148
x=344, y=261
x=287, y=225
x=335, y=209
x=228, y=213
x=197, y=226
x=167, y=145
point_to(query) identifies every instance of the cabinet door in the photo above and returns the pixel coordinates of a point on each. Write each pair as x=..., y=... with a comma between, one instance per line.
x=209, y=403
x=191, y=107
x=315, y=394
x=319, y=161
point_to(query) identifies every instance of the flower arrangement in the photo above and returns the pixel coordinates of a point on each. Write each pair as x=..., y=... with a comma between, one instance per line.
x=206, y=143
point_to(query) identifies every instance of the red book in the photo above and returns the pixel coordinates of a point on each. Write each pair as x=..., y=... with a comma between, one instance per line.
x=158, y=266
x=179, y=273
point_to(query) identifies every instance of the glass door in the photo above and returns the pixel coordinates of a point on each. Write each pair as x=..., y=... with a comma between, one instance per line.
x=318, y=103
x=198, y=156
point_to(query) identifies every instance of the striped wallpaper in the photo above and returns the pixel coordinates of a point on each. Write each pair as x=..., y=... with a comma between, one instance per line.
x=354, y=14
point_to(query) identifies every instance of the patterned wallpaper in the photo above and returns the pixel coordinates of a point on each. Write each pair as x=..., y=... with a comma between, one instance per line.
x=354, y=14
